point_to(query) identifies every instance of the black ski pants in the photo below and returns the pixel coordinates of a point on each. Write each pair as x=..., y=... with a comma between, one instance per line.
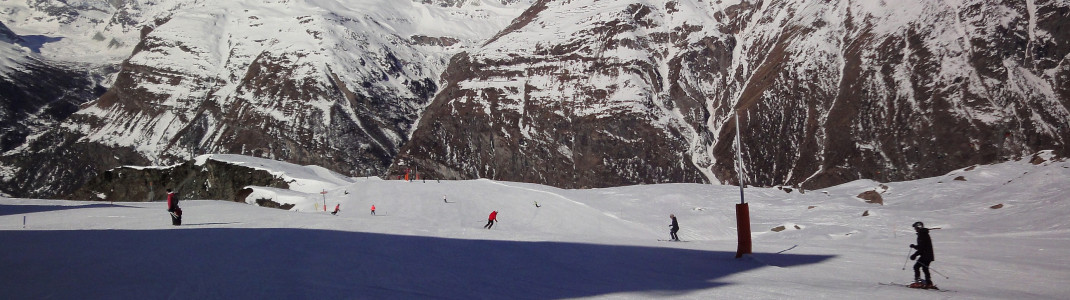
x=923, y=266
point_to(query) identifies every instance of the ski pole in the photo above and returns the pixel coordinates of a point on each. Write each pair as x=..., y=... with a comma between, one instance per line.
x=935, y=271
x=938, y=272
x=905, y=260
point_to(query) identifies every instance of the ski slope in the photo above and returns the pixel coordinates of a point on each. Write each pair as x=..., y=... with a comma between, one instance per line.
x=596, y=243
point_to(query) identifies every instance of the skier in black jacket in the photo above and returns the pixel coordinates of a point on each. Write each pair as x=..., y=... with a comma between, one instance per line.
x=924, y=256
x=674, y=227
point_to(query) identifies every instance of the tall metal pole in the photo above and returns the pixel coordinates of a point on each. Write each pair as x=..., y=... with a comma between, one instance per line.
x=742, y=209
x=739, y=160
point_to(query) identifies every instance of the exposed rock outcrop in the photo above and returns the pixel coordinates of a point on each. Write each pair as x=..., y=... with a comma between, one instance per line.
x=213, y=179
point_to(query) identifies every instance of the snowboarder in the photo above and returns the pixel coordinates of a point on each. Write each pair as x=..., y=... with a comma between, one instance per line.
x=537, y=204
x=675, y=227
x=373, y=209
x=924, y=257
x=336, y=207
x=172, y=207
x=490, y=220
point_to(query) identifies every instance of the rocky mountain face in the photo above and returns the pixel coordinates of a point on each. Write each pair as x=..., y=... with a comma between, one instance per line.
x=579, y=93
x=210, y=179
x=331, y=83
x=591, y=93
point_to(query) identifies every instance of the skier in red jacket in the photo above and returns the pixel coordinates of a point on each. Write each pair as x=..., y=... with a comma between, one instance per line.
x=172, y=207
x=336, y=206
x=490, y=220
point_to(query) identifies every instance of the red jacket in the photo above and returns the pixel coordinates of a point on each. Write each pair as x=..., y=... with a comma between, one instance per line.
x=172, y=202
x=493, y=216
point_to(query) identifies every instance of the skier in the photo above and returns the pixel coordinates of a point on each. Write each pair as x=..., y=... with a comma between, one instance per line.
x=537, y=204
x=490, y=220
x=675, y=227
x=924, y=256
x=172, y=207
x=336, y=207
x=373, y=209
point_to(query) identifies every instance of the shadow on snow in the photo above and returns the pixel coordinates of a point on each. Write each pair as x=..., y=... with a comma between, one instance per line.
x=36, y=42
x=286, y=263
x=6, y=210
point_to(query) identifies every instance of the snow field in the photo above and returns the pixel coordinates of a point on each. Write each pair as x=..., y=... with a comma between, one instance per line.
x=597, y=243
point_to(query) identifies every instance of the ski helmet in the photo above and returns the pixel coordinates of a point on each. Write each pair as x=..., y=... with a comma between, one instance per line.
x=918, y=225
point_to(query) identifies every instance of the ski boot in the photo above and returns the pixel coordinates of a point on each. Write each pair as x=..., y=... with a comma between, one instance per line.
x=918, y=284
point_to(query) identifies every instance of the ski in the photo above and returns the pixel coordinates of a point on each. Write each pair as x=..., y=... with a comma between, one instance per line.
x=933, y=288
x=672, y=241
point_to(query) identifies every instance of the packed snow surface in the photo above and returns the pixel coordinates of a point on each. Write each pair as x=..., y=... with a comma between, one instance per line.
x=427, y=240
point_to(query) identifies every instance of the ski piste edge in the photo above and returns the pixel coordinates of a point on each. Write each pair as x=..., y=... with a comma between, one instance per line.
x=934, y=289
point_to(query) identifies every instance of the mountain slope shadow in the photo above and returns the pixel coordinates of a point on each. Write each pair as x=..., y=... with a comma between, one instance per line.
x=36, y=42
x=221, y=263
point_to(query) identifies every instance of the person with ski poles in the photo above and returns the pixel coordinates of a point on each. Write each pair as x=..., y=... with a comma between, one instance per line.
x=491, y=219
x=675, y=227
x=923, y=255
x=172, y=207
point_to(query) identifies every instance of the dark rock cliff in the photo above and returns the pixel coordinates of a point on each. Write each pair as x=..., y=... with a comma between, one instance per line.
x=212, y=180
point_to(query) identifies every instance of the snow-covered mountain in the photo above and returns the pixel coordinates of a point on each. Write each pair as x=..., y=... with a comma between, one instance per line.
x=35, y=92
x=612, y=92
x=327, y=82
x=578, y=93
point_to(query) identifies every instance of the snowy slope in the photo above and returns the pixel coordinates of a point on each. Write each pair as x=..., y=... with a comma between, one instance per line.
x=35, y=92
x=598, y=243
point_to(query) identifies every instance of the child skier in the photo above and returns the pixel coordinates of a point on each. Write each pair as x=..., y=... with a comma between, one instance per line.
x=924, y=256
